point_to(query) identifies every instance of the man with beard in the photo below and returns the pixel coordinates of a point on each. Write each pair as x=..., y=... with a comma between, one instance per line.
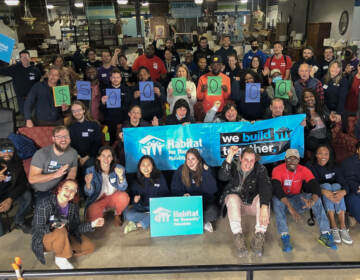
x=94, y=104
x=104, y=71
x=350, y=61
x=208, y=101
x=152, y=62
x=41, y=97
x=253, y=52
x=296, y=189
x=203, y=50
x=53, y=163
x=329, y=56
x=307, y=57
x=14, y=187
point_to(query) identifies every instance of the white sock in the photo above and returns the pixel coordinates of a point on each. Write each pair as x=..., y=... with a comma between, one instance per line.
x=235, y=227
x=63, y=263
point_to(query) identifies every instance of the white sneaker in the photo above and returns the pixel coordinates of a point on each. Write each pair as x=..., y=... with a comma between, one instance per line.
x=208, y=227
x=345, y=236
x=63, y=263
x=336, y=235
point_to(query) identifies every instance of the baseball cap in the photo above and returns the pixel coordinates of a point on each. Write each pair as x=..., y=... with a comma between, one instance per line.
x=216, y=59
x=274, y=71
x=292, y=153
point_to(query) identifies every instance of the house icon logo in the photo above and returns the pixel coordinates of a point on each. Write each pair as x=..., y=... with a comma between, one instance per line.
x=162, y=215
x=151, y=145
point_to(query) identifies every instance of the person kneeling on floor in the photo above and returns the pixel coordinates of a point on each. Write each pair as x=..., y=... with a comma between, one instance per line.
x=57, y=227
x=247, y=193
x=296, y=189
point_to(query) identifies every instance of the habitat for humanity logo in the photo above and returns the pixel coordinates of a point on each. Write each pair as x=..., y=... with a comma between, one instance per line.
x=162, y=215
x=152, y=145
x=4, y=48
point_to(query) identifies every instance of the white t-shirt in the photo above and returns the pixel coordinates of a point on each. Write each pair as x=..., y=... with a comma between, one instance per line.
x=106, y=188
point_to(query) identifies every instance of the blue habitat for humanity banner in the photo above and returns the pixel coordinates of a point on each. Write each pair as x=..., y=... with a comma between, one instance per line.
x=167, y=145
x=176, y=216
x=6, y=47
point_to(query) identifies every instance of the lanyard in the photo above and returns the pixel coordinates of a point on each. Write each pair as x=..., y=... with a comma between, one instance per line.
x=288, y=182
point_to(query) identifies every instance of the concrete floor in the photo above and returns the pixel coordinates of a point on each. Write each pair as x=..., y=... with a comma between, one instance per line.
x=114, y=249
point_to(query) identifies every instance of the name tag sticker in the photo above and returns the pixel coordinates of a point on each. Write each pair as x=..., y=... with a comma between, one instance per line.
x=287, y=183
x=325, y=67
x=90, y=130
x=53, y=163
x=85, y=134
x=325, y=86
x=32, y=78
x=273, y=63
x=329, y=176
x=157, y=185
x=103, y=75
x=112, y=180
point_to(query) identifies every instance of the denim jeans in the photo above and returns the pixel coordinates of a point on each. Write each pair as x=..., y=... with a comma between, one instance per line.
x=23, y=202
x=297, y=203
x=329, y=205
x=138, y=214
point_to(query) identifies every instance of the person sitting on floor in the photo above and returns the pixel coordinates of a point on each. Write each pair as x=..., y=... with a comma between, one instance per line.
x=105, y=186
x=180, y=114
x=327, y=174
x=248, y=192
x=296, y=189
x=14, y=187
x=57, y=227
x=149, y=183
x=195, y=177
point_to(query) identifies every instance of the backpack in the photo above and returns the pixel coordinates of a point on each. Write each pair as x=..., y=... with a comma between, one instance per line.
x=25, y=147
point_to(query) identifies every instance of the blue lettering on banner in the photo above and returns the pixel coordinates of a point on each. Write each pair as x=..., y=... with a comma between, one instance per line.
x=176, y=216
x=167, y=145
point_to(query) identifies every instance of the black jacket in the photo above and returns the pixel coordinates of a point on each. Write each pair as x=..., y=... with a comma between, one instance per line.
x=295, y=68
x=207, y=53
x=225, y=53
x=257, y=182
x=335, y=94
x=172, y=119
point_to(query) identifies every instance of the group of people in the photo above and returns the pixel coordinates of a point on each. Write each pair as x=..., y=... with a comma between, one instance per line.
x=79, y=167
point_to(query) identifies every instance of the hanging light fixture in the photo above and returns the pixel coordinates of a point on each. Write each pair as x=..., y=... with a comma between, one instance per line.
x=122, y=2
x=28, y=18
x=198, y=2
x=50, y=6
x=79, y=4
x=243, y=1
x=145, y=4
x=12, y=2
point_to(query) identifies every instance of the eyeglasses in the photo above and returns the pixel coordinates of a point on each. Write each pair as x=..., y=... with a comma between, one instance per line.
x=66, y=137
x=77, y=111
x=7, y=151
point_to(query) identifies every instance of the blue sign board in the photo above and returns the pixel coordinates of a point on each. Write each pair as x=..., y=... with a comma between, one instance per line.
x=176, y=216
x=114, y=98
x=146, y=91
x=167, y=145
x=6, y=47
x=83, y=90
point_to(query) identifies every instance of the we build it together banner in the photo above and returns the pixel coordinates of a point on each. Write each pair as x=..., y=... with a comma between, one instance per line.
x=167, y=145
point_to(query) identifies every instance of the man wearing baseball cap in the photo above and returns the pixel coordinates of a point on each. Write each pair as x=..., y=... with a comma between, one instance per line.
x=296, y=189
x=208, y=100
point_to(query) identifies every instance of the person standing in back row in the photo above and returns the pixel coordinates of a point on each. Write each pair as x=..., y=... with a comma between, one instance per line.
x=278, y=61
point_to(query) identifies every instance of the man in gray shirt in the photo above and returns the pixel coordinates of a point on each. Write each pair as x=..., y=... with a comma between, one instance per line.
x=53, y=163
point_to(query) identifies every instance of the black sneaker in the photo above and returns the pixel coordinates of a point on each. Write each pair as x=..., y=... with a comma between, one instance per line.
x=24, y=227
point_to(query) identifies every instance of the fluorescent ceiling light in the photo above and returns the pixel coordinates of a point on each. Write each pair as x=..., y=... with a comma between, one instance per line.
x=12, y=2
x=50, y=6
x=145, y=4
x=244, y=1
x=122, y=2
x=198, y=2
x=79, y=4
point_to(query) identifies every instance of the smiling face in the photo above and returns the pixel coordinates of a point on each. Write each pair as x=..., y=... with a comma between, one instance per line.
x=25, y=59
x=135, y=115
x=192, y=161
x=91, y=74
x=247, y=161
x=291, y=163
x=146, y=167
x=249, y=78
x=59, y=62
x=67, y=192
x=61, y=140
x=278, y=48
x=232, y=61
x=216, y=68
x=231, y=114
x=307, y=54
x=7, y=153
x=181, y=72
x=277, y=108
x=115, y=79
x=105, y=159
x=53, y=77
x=78, y=112
x=309, y=99
x=202, y=63
x=181, y=112
x=168, y=55
x=334, y=70
x=328, y=54
x=203, y=43
x=144, y=75
x=322, y=156
x=255, y=63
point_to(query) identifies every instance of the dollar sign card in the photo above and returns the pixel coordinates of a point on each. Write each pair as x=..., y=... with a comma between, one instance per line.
x=61, y=95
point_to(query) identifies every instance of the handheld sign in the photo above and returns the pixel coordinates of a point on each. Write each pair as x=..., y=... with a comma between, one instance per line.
x=214, y=85
x=179, y=86
x=176, y=216
x=146, y=91
x=282, y=87
x=6, y=47
x=61, y=95
x=252, y=93
x=83, y=90
x=114, y=98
